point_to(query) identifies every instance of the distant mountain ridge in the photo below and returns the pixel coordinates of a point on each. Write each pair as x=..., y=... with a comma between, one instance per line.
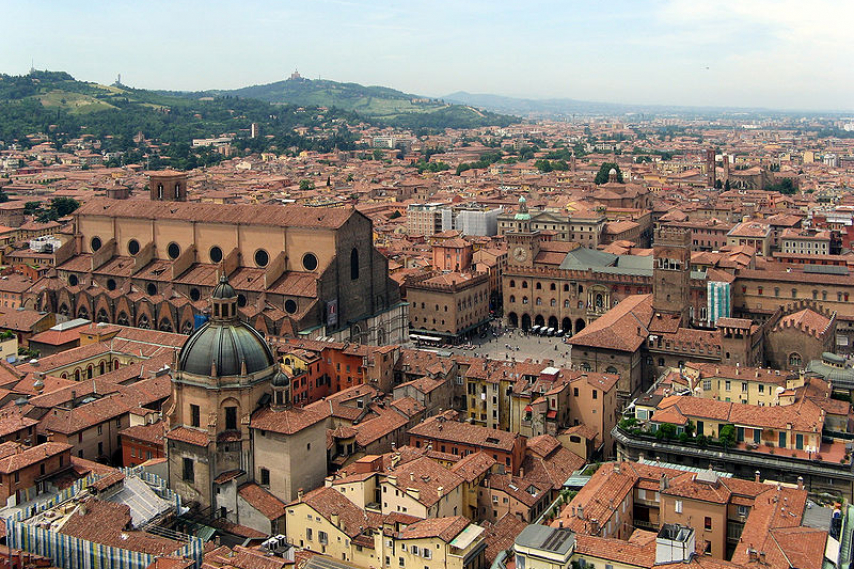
x=563, y=107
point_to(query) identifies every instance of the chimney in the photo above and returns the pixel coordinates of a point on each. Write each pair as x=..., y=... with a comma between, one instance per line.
x=756, y=476
x=800, y=482
x=762, y=557
x=560, y=523
x=594, y=527
x=73, y=398
x=752, y=554
x=300, y=494
x=616, y=467
x=335, y=519
x=580, y=512
x=440, y=491
x=662, y=483
x=412, y=477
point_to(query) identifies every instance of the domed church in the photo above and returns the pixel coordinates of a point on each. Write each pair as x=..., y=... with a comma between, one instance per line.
x=224, y=374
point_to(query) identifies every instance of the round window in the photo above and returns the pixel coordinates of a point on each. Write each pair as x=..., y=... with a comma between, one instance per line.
x=215, y=254
x=173, y=250
x=241, y=300
x=151, y=289
x=290, y=306
x=72, y=280
x=195, y=295
x=96, y=243
x=261, y=258
x=309, y=262
x=133, y=246
x=111, y=284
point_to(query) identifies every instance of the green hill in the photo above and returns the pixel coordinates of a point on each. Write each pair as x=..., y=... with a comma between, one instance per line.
x=379, y=104
x=56, y=106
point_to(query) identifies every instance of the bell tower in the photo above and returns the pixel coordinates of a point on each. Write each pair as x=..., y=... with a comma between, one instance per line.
x=671, y=272
x=167, y=186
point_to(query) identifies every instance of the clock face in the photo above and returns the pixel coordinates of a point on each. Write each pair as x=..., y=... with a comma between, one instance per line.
x=520, y=254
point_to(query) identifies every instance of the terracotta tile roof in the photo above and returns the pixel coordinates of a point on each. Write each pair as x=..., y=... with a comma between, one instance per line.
x=263, y=215
x=501, y=535
x=20, y=320
x=153, y=433
x=262, y=500
x=426, y=476
x=24, y=457
x=290, y=421
x=439, y=429
x=445, y=529
x=474, y=465
x=188, y=435
x=624, y=327
x=328, y=501
x=385, y=423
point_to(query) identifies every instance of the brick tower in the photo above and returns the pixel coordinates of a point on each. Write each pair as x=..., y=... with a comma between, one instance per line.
x=672, y=272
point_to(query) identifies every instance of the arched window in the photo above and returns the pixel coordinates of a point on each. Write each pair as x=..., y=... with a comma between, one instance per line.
x=354, y=264
x=539, y=286
x=90, y=371
x=553, y=302
x=794, y=293
x=611, y=370
x=77, y=374
x=524, y=284
x=795, y=359
x=512, y=298
x=552, y=287
x=102, y=367
x=566, y=303
x=539, y=301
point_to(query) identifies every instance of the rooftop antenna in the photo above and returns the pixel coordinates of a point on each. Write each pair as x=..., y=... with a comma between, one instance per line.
x=32, y=66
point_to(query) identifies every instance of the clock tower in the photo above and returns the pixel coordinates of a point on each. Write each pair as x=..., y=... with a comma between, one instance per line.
x=522, y=248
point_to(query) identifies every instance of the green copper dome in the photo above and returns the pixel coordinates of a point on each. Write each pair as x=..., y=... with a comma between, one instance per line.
x=225, y=346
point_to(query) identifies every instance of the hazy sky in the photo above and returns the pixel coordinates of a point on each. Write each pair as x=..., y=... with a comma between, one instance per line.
x=771, y=53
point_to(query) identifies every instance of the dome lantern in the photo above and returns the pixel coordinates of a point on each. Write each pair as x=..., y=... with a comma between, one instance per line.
x=224, y=300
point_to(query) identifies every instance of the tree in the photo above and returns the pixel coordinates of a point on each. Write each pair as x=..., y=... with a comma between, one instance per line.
x=666, y=431
x=785, y=186
x=305, y=185
x=64, y=206
x=726, y=435
x=718, y=184
x=604, y=173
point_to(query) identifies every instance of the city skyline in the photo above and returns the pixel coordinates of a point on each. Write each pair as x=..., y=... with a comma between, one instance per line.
x=779, y=55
